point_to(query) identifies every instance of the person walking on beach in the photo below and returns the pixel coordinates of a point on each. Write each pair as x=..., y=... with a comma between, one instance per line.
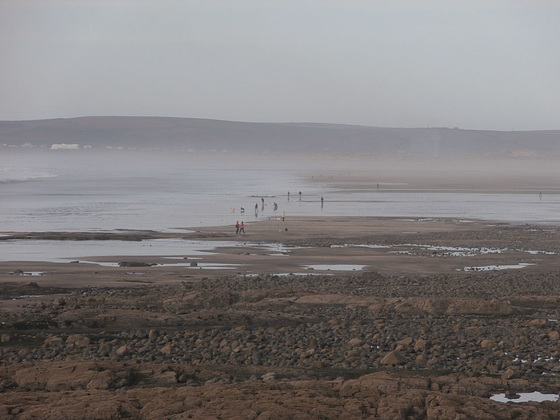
x=322, y=199
x=242, y=228
x=237, y=227
x=288, y=195
x=300, y=196
x=256, y=209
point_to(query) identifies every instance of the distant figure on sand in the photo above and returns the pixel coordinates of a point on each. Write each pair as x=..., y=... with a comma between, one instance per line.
x=275, y=206
x=242, y=228
x=300, y=196
x=322, y=199
x=242, y=210
x=540, y=195
x=288, y=195
x=283, y=215
x=237, y=227
x=256, y=209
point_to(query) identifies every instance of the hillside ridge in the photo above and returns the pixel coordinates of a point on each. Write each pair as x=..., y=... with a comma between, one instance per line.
x=208, y=135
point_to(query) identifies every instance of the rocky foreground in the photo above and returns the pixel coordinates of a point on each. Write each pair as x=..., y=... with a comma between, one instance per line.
x=412, y=336
x=361, y=346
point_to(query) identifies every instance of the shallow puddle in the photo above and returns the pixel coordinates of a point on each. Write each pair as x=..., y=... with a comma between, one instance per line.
x=525, y=397
x=273, y=248
x=495, y=267
x=62, y=251
x=440, y=251
x=208, y=266
x=285, y=274
x=28, y=273
x=335, y=267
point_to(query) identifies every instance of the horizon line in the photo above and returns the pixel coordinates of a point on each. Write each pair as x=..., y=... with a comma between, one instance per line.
x=275, y=123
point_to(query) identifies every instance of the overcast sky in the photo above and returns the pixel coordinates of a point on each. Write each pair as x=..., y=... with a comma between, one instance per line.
x=487, y=64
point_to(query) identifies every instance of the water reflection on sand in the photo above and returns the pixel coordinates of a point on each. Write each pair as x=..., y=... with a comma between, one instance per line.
x=524, y=397
x=64, y=251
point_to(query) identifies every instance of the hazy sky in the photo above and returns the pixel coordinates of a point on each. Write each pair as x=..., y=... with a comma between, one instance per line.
x=481, y=64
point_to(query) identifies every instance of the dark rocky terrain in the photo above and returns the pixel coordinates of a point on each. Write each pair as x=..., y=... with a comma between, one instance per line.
x=365, y=345
x=415, y=338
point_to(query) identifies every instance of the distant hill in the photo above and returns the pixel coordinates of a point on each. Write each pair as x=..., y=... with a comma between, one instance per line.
x=200, y=135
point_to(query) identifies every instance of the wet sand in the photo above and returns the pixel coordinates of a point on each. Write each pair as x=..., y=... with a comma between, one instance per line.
x=388, y=246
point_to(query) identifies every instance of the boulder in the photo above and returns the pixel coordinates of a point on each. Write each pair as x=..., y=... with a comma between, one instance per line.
x=167, y=378
x=102, y=380
x=122, y=351
x=77, y=340
x=421, y=345
x=554, y=335
x=356, y=342
x=393, y=358
x=53, y=342
x=488, y=344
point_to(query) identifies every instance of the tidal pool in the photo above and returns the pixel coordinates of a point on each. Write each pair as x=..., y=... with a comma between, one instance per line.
x=495, y=267
x=199, y=265
x=335, y=267
x=64, y=251
x=526, y=397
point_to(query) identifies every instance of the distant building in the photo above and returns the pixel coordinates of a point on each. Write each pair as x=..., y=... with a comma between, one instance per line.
x=64, y=146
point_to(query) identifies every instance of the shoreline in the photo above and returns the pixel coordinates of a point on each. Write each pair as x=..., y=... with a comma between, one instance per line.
x=506, y=191
x=302, y=245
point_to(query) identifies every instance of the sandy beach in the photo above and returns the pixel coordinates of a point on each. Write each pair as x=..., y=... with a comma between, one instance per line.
x=313, y=317
x=389, y=246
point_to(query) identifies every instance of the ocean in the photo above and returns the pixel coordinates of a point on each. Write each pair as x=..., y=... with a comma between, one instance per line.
x=69, y=192
x=79, y=191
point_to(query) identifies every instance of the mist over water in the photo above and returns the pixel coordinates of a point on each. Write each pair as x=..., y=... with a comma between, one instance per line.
x=81, y=191
x=72, y=192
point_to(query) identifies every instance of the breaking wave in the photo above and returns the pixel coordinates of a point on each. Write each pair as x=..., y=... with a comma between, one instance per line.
x=8, y=175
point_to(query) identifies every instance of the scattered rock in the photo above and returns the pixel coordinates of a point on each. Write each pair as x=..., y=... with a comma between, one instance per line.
x=269, y=376
x=488, y=344
x=168, y=378
x=356, y=342
x=77, y=340
x=393, y=358
x=122, y=351
x=554, y=335
x=53, y=342
x=166, y=349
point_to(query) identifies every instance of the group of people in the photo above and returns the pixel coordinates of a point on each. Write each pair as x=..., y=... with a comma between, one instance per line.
x=239, y=227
